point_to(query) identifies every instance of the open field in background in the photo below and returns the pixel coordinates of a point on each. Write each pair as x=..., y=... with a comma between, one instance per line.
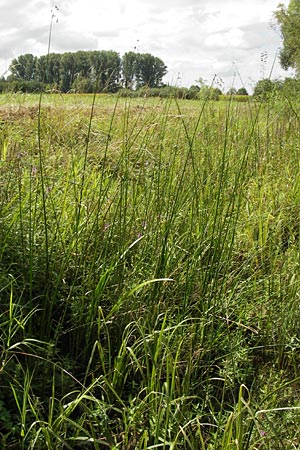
x=149, y=273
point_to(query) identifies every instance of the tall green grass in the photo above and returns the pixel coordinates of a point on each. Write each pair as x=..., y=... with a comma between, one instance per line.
x=149, y=254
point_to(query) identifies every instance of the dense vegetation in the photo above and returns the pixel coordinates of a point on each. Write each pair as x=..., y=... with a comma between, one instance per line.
x=149, y=256
x=149, y=282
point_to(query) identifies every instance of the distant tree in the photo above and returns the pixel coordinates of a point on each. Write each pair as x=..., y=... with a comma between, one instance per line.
x=242, y=91
x=215, y=93
x=82, y=85
x=193, y=92
x=288, y=19
x=264, y=88
x=112, y=71
x=89, y=70
x=52, y=67
x=105, y=70
x=150, y=70
x=48, y=69
x=68, y=71
x=82, y=62
x=194, y=87
x=23, y=67
x=201, y=82
x=41, y=68
x=209, y=92
x=95, y=64
x=129, y=67
x=232, y=91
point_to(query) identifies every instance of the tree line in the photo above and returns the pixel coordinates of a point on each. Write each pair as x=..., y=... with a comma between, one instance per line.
x=88, y=71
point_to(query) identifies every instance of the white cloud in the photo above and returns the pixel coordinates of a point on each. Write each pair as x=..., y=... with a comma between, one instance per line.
x=232, y=37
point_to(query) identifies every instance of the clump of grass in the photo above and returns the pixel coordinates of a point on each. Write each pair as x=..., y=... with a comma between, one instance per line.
x=149, y=254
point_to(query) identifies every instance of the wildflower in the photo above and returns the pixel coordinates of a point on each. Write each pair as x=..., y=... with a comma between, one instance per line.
x=106, y=226
x=33, y=171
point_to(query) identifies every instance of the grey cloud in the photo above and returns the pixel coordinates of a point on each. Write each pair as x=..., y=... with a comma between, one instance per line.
x=18, y=30
x=107, y=34
x=254, y=32
x=22, y=40
x=69, y=40
x=159, y=5
x=199, y=15
x=19, y=13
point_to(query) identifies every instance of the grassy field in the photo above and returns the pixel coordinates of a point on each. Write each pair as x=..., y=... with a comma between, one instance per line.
x=149, y=273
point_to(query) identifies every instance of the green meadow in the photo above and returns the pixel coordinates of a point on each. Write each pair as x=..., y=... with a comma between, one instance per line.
x=149, y=273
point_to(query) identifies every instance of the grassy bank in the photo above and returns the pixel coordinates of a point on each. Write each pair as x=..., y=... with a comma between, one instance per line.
x=149, y=255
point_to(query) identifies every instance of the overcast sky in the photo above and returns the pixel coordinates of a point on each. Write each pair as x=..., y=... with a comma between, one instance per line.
x=232, y=39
